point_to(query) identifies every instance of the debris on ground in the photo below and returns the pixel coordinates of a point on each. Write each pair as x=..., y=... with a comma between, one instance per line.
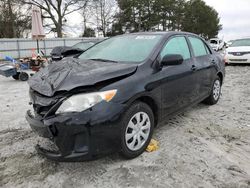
x=153, y=146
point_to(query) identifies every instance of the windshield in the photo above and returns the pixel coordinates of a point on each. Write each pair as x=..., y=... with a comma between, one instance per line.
x=126, y=48
x=83, y=45
x=241, y=42
x=213, y=42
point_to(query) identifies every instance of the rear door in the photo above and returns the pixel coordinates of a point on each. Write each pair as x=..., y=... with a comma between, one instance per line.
x=178, y=81
x=205, y=64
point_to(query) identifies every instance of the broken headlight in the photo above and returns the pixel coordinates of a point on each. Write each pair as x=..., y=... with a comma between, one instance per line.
x=81, y=102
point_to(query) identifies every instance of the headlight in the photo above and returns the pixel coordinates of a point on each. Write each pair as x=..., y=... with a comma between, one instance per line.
x=81, y=102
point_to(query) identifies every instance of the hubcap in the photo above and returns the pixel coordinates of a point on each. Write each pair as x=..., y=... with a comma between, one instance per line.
x=216, y=90
x=137, y=131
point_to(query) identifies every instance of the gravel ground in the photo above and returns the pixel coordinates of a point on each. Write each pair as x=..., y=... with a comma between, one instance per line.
x=206, y=146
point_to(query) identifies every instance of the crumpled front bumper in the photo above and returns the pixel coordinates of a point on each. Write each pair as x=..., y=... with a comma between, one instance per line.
x=80, y=136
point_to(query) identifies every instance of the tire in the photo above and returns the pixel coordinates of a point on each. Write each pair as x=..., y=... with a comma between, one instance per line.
x=214, y=96
x=23, y=76
x=136, y=137
x=16, y=76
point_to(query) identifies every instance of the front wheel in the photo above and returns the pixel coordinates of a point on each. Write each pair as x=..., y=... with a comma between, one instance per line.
x=137, y=130
x=215, y=92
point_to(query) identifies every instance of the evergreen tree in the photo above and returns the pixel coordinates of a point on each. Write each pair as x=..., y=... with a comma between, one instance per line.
x=164, y=15
x=201, y=19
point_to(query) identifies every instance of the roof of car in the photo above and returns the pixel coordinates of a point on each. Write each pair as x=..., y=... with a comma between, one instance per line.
x=89, y=40
x=246, y=38
x=166, y=33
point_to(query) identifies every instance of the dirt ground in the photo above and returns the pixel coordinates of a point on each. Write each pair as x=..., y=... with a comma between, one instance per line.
x=206, y=146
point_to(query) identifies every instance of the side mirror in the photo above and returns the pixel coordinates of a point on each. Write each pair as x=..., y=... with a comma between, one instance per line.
x=172, y=59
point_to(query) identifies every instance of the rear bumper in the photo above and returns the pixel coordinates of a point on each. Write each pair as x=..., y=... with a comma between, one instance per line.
x=77, y=136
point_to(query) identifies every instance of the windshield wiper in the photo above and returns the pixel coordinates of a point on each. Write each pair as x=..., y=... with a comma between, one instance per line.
x=104, y=60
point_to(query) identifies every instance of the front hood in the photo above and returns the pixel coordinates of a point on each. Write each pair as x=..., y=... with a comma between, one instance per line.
x=57, y=51
x=70, y=73
x=239, y=49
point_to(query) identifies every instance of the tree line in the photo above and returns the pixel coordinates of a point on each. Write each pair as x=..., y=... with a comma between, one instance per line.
x=111, y=17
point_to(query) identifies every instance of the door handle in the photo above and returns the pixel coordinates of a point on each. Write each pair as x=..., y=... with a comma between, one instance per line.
x=193, y=68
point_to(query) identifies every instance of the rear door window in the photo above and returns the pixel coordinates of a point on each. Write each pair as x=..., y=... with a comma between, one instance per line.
x=177, y=45
x=198, y=46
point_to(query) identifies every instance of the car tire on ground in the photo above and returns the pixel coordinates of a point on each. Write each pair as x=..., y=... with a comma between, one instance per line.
x=16, y=76
x=137, y=129
x=23, y=76
x=215, y=92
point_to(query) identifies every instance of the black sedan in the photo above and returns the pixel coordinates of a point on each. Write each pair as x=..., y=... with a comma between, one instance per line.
x=60, y=52
x=114, y=94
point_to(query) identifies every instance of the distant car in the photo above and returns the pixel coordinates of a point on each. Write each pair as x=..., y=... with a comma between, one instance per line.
x=229, y=43
x=216, y=44
x=60, y=52
x=238, y=52
x=112, y=96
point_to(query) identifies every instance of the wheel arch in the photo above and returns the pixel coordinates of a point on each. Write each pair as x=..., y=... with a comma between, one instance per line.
x=151, y=103
x=220, y=76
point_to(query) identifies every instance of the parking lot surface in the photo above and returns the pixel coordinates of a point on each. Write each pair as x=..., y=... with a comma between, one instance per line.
x=206, y=146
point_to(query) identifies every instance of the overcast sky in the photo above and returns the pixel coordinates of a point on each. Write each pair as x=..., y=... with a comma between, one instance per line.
x=234, y=16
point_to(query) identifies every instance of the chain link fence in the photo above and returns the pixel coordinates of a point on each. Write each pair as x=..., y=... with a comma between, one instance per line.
x=20, y=48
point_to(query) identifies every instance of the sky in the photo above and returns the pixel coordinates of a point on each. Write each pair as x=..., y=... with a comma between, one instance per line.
x=234, y=17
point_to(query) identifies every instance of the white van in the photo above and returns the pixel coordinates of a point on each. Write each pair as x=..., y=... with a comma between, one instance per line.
x=216, y=44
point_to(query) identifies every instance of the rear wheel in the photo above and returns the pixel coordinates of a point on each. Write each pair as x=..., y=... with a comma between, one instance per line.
x=215, y=92
x=23, y=76
x=137, y=130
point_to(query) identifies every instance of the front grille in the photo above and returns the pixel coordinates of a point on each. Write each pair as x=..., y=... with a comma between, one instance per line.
x=238, y=53
x=240, y=60
x=41, y=110
x=42, y=104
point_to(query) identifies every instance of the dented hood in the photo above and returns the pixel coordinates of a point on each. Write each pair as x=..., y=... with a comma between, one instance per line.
x=71, y=73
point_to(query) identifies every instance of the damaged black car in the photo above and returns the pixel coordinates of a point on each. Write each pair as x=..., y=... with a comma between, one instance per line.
x=113, y=95
x=60, y=52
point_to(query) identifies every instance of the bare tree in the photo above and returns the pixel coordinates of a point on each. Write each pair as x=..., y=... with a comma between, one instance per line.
x=57, y=10
x=101, y=14
x=86, y=14
x=14, y=20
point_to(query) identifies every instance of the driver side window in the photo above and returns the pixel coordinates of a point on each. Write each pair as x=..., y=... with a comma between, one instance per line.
x=177, y=45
